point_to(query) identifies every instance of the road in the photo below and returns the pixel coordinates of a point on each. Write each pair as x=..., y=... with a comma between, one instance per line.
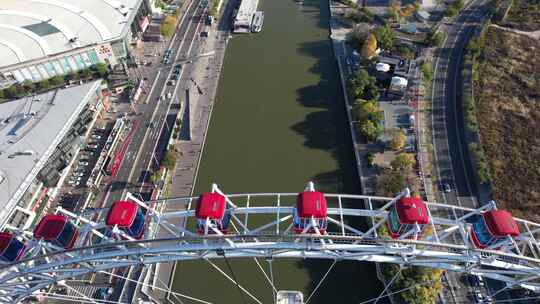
x=141, y=154
x=451, y=162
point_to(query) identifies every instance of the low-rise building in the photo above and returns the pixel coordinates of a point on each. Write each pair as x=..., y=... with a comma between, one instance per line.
x=39, y=137
x=40, y=39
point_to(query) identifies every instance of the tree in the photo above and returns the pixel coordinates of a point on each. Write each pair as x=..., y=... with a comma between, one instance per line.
x=402, y=162
x=12, y=92
x=101, y=69
x=370, y=47
x=364, y=86
x=390, y=182
x=427, y=71
x=28, y=86
x=434, y=38
x=72, y=76
x=371, y=130
x=398, y=139
x=394, y=10
x=385, y=37
x=57, y=80
x=370, y=158
x=43, y=85
x=2, y=94
x=170, y=160
x=168, y=26
x=86, y=73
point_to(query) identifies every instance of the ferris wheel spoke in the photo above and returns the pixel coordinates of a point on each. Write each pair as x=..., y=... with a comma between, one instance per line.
x=321, y=281
x=76, y=299
x=270, y=280
x=233, y=281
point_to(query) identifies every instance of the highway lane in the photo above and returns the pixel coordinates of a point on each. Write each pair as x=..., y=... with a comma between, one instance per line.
x=451, y=161
x=451, y=156
x=130, y=175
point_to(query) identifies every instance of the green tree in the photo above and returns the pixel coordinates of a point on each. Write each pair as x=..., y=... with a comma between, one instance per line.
x=363, y=86
x=168, y=26
x=28, y=86
x=427, y=71
x=43, y=85
x=402, y=162
x=398, y=140
x=85, y=74
x=390, y=182
x=101, y=69
x=170, y=160
x=57, y=80
x=72, y=76
x=434, y=38
x=370, y=130
x=394, y=10
x=369, y=48
x=366, y=110
x=370, y=158
x=385, y=37
x=12, y=91
x=2, y=94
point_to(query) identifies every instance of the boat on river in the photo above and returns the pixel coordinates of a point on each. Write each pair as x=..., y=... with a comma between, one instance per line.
x=257, y=23
x=289, y=297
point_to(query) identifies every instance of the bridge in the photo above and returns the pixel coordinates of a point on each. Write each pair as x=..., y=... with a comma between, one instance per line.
x=262, y=226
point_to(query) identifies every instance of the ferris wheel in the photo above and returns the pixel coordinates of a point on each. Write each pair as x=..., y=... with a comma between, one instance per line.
x=404, y=230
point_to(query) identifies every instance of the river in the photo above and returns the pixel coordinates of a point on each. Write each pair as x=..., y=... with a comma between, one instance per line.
x=278, y=122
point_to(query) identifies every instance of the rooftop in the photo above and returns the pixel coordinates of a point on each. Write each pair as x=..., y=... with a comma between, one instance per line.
x=32, y=29
x=30, y=130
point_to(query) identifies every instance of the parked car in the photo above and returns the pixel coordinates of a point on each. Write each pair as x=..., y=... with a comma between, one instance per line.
x=92, y=146
x=95, y=136
x=169, y=95
x=172, y=82
x=78, y=174
x=83, y=163
x=174, y=77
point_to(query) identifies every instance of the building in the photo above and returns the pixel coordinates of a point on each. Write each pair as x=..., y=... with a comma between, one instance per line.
x=39, y=137
x=244, y=16
x=40, y=39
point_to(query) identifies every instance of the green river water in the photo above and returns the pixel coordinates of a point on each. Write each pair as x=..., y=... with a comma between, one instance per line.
x=278, y=122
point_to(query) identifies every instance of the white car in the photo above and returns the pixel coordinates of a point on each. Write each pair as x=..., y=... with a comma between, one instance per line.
x=95, y=136
x=77, y=174
x=92, y=146
x=83, y=163
x=169, y=95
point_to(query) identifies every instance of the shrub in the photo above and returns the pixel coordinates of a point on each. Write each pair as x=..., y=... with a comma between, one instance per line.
x=43, y=85
x=170, y=160
x=86, y=73
x=370, y=47
x=12, y=91
x=398, y=140
x=370, y=158
x=57, y=80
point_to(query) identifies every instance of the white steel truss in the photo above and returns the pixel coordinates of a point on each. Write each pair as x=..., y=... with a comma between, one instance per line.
x=262, y=227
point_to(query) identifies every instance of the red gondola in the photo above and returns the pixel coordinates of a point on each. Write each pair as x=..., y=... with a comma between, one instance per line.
x=493, y=227
x=127, y=216
x=58, y=230
x=311, y=210
x=406, y=213
x=211, y=213
x=11, y=249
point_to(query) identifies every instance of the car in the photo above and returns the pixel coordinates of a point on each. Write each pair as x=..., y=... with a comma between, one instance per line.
x=169, y=95
x=95, y=136
x=174, y=77
x=92, y=146
x=71, y=182
x=204, y=34
x=78, y=174
x=83, y=163
x=478, y=296
x=446, y=187
x=172, y=82
x=177, y=69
